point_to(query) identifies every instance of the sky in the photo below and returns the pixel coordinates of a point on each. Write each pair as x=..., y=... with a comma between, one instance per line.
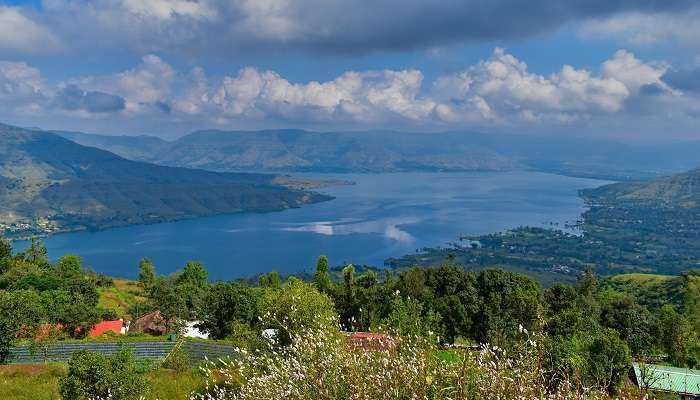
x=620, y=69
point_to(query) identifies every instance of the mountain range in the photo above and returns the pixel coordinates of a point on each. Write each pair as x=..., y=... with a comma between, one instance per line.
x=49, y=183
x=292, y=150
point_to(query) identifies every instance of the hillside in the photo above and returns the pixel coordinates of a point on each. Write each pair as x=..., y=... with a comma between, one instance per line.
x=49, y=183
x=647, y=227
x=386, y=151
x=676, y=191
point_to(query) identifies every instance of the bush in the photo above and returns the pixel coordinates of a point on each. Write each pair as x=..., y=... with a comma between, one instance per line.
x=320, y=366
x=92, y=375
x=177, y=359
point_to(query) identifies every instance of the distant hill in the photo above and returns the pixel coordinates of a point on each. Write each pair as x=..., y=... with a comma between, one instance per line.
x=675, y=191
x=51, y=183
x=386, y=151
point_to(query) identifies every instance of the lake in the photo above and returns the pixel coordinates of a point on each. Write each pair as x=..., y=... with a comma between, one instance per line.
x=383, y=215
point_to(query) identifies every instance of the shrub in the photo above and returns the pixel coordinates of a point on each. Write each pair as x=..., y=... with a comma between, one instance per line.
x=94, y=376
x=320, y=366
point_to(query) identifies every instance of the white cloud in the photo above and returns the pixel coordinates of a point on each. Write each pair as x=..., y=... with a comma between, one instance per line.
x=142, y=87
x=19, y=34
x=498, y=90
x=502, y=88
x=633, y=72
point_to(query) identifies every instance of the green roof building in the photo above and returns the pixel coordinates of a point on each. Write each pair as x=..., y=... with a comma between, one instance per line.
x=659, y=378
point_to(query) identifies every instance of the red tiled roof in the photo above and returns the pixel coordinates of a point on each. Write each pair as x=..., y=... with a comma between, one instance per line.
x=106, y=326
x=371, y=341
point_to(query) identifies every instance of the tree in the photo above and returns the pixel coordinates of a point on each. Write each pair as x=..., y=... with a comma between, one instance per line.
x=322, y=277
x=271, y=280
x=348, y=306
x=5, y=248
x=296, y=308
x=634, y=323
x=69, y=266
x=36, y=253
x=407, y=318
x=454, y=297
x=193, y=274
x=608, y=360
x=165, y=297
x=20, y=310
x=147, y=273
x=224, y=305
x=92, y=375
x=5, y=254
x=76, y=313
x=677, y=335
x=507, y=300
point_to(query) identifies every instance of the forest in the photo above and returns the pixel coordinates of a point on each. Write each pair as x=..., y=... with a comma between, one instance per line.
x=587, y=333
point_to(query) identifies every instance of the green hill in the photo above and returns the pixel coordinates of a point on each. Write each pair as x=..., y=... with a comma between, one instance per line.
x=389, y=151
x=50, y=183
x=676, y=191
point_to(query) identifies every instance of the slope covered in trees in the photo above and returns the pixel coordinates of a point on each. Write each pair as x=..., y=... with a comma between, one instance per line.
x=49, y=182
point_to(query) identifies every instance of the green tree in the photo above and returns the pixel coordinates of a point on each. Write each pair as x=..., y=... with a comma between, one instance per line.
x=454, y=297
x=193, y=275
x=19, y=310
x=164, y=296
x=677, y=335
x=69, y=266
x=271, y=280
x=635, y=324
x=348, y=306
x=507, y=300
x=224, y=305
x=608, y=360
x=322, y=277
x=5, y=254
x=295, y=308
x=36, y=253
x=147, y=273
x=5, y=248
x=407, y=318
x=92, y=375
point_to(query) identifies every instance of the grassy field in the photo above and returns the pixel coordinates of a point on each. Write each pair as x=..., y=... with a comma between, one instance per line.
x=40, y=382
x=121, y=297
x=642, y=278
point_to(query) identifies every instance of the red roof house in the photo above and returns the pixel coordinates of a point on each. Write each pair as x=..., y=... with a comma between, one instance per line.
x=107, y=326
x=152, y=323
x=371, y=341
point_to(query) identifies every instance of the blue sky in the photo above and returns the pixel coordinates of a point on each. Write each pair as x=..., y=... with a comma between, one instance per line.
x=622, y=69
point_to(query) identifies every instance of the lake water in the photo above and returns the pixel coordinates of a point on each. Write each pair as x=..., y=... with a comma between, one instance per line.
x=383, y=215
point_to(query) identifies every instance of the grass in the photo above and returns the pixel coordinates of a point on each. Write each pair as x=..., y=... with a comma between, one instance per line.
x=31, y=382
x=123, y=295
x=40, y=382
x=642, y=278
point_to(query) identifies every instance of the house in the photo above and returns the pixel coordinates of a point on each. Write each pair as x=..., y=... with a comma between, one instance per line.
x=371, y=341
x=117, y=327
x=682, y=382
x=152, y=323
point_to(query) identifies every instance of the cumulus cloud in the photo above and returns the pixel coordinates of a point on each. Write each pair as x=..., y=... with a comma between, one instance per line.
x=147, y=86
x=634, y=73
x=19, y=34
x=498, y=90
x=22, y=89
x=502, y=87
